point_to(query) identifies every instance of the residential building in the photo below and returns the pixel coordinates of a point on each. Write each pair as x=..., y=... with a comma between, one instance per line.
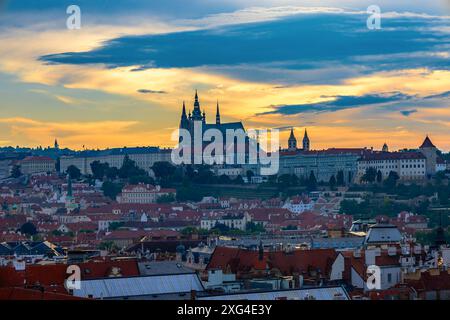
x=298, y=204
x=143, y=193
x=35, y=164
x=238, y=221
x=407, y=165
x=322, y=163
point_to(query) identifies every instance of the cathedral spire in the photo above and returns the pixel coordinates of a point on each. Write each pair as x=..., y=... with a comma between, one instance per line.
x=217, y=113
x=306, y=143
x=196, y=102
x=183, y=114
x=292, y=141
x=197, y=113
x=184, y=122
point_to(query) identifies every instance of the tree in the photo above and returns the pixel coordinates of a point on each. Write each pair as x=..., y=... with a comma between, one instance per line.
x=111, y=189
x=166, y=198
x=187, y=193
x=163, y=169
x=220, y=228
x=28, y=228
x=340, y=178
x=443, y=197
x=99, y=169
x=204, y=175
x=73, y=172
x=16, y=172
x=141, y=179
x=332, y=182
x=56, y=233
x=312, y=182
x=350, y=207
x=115, y=225
x=130, y=169
x=370, y=175
x=391, y=180
x=112, y=173
x=224, y=179
x=379, y=177
x=189, y=231
x=252, y=227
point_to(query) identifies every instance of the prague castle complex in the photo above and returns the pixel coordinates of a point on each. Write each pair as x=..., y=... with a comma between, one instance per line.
x=350, y=163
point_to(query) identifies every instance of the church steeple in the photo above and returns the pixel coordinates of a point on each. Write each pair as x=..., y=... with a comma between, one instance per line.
x=306, y=144
x=183, y=114
x=217, y=113
x=184, y=123
x=197, y=113
x=292, y=141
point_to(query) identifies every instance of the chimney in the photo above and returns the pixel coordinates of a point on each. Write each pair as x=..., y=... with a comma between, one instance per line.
x=193, y=294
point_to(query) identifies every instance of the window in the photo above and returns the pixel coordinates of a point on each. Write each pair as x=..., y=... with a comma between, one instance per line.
x=389, y=277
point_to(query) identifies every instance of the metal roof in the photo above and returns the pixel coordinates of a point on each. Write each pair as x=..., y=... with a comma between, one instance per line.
x=383, y=233
x=162, y=267
x=319, y=293
x=139, y=286
x=337, y=243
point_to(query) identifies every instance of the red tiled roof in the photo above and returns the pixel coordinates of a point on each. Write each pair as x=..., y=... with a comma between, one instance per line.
x=12, y=237
x=125, y=234
x=430, y=282
x=298, y=261
x=78, y=226
x=37, y=158
x=30, y=294
x=51, y=277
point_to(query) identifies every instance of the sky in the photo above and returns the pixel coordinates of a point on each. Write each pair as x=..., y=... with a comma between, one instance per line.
x=121, y=79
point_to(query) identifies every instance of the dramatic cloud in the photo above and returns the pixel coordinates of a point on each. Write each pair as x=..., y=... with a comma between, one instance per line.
x=122, y=77
x=283, y=50
x=339, y=103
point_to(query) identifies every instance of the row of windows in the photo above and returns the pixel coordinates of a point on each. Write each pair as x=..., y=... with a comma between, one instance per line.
x=394, y=161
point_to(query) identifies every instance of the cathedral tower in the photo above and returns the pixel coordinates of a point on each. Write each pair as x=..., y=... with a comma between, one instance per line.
x=306, y=144
x=292, y=141
x=197, y=113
